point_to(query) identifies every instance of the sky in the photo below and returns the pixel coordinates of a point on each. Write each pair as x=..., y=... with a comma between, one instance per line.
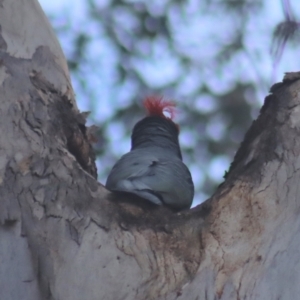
x=258, y=63
x=271, y=15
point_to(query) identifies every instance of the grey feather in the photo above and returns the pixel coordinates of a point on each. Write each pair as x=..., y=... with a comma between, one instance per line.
x=154, y=174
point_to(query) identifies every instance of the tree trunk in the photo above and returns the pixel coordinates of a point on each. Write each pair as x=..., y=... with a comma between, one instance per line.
x=64, y=236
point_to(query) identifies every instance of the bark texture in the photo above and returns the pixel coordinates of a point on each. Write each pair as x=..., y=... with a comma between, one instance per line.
x=64, y=236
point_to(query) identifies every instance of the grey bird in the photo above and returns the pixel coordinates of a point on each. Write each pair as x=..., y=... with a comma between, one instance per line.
x=153, y=169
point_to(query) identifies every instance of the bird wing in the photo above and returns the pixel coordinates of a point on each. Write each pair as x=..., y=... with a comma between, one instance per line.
x=158, y=179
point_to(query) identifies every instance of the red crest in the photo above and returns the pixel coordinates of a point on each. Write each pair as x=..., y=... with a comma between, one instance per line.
x=156, y=106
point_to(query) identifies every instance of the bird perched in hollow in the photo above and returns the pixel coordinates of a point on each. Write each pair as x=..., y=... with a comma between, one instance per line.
x=153, y=169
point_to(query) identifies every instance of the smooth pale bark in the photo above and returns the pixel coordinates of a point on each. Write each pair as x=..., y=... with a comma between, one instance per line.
x=64, y=236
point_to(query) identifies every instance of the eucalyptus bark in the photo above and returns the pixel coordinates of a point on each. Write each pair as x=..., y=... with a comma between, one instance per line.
x=64, y=236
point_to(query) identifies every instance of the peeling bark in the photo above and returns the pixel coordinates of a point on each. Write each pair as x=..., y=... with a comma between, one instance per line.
x=64, y=236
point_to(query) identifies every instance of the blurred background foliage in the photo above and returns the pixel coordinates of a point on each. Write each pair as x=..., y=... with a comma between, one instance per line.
x=216, y=58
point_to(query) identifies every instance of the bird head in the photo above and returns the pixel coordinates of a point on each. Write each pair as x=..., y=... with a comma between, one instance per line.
x=157, y=129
